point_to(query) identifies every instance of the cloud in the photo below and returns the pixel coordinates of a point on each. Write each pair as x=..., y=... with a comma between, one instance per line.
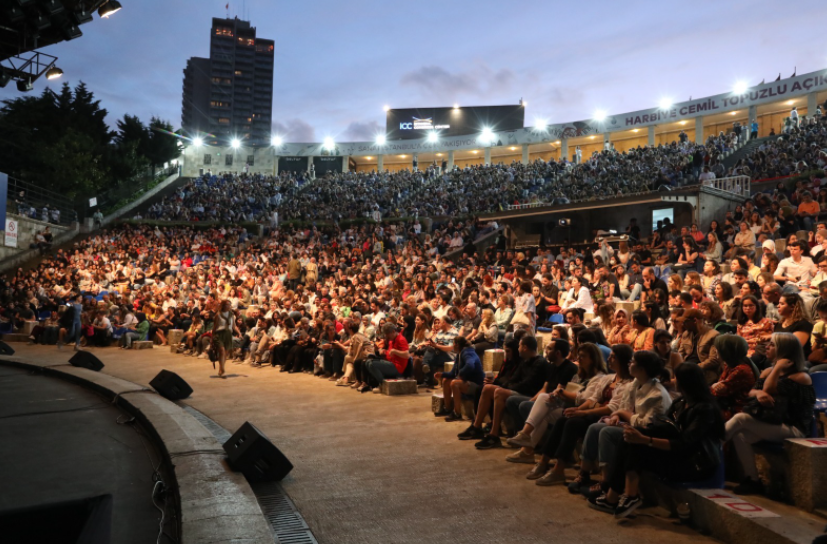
x=295, y=130
x=362, y=132
x=480, y=81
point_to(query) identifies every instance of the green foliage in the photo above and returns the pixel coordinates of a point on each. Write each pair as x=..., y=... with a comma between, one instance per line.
x=60, y=140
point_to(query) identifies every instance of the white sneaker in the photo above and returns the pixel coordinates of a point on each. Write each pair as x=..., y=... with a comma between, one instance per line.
x=520, y=456
x=551, y=478
x=521, y=440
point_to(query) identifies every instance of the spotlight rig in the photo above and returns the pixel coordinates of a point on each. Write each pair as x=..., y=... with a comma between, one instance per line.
x=31, y=24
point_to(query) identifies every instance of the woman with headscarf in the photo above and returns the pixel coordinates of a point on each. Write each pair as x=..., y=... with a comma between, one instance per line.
x=136, y=331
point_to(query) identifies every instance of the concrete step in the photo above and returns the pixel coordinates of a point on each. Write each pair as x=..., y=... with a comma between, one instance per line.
x=737, y=519
x=15, y=337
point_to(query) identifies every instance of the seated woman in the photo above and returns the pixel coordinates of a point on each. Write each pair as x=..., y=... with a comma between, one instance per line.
x=780, y=407
x=195, y=330
x=714, y=317
x=643, y=336
x=486, y=335
x=140, y=331
x=504, y=313
x=570, y=424
x=754, y=328
x=622, y=331
x=733, y=387
x=464, y=380
x=690, y=455
x=394, y=352
x=794, y=320
x=645, y=399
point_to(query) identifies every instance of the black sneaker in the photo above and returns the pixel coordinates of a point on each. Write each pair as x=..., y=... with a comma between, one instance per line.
x=602, y=503
x=592, y=493
x=471, y=433
x=582, y=481
x=626, y=505
x=489, y=442
x=453, y=416
x=748, y=486
x=442, y=413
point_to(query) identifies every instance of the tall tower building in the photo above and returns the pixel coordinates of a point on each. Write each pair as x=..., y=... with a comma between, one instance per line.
x=239, y=101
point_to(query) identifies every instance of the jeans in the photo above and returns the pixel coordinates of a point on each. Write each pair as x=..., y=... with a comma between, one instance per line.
x=129, y=337
x=515, y=420
x=381, y=370
x=743, y=431
x=564, y=436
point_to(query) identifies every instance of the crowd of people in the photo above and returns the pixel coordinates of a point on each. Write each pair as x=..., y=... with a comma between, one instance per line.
x=726, y=324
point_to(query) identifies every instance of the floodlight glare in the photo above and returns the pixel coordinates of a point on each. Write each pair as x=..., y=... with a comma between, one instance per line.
x=380, y=140
x=197, y=142
x=236, y=143
x=599, y=115
x=328, y=143
x=53, y=73
x=276, y=141
x=456, y=106
x=109, y=8
x=665, y=103
x=740, y=87
x=387, y=108
x=432, y=137
x=487, y=136
x=540, y=124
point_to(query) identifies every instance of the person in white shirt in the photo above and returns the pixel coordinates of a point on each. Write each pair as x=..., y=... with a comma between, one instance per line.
x=706, y=177
x=794, y=116
x=796, y=270
x=578, y=296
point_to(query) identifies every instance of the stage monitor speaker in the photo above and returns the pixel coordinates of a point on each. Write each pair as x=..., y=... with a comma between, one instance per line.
x=84, y=359
x=251, y=453
x=6, y=349
x=171, y=386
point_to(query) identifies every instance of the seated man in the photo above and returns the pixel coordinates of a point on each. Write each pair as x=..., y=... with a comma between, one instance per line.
x=394, y=355
x=464, y=379
x=103, y=329
x=527, y=379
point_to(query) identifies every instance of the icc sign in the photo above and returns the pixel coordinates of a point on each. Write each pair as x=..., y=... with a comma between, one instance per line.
x=405, y=126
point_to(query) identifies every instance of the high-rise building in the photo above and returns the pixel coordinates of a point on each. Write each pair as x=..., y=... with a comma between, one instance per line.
x=239, y=83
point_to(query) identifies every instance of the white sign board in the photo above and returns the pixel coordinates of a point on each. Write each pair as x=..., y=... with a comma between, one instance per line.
x=11, y=233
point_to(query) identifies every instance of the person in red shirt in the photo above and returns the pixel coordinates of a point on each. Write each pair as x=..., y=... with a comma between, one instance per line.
x=394, y=355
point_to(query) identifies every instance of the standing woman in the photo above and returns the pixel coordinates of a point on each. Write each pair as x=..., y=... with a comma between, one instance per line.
x=222, y=334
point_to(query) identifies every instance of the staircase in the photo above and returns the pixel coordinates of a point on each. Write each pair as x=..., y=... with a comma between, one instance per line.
x=743, y=151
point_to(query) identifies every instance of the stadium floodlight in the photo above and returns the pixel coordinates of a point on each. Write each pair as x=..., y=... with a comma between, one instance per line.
x=53, y=73
x=540, y=124
x=433, y=136
x=386, y=108
x=665, y=103
x=599, y=115
x=236, y=143
x=109, y=8
x=329, y=144
x=276, y=141
x=740, y=87
x=456, y=106
x=487, y=136
x=197, y=142
x=25, y=85
x=380, y=139
x=524, y=103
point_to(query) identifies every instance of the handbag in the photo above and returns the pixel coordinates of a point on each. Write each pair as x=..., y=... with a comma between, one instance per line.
x=774, y=415
x=662, y=427
x=520, y=318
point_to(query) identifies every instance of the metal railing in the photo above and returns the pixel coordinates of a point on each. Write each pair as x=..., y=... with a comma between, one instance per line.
x=24, y=196
x=134, y=187
x=739, y=185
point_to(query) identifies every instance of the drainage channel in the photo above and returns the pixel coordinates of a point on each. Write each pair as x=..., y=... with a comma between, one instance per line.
x=287, y=523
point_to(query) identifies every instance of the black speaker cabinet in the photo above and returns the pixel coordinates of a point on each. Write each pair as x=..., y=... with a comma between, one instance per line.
x=251, y=453
x=171, y=386
x=84, y=359
x=5, y=349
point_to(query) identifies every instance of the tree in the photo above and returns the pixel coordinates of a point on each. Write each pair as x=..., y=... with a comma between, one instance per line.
x=163, y=144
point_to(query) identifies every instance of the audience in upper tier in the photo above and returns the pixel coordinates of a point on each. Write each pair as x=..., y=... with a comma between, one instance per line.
x=651, y=385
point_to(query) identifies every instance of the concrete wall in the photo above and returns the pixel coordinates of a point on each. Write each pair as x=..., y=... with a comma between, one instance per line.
x=87, y=227
x=14, y=257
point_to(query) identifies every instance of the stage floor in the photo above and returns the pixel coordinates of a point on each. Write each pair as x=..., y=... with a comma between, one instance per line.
x=377, y=469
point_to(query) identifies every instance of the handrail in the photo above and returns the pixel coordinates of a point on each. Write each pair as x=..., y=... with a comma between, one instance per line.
x=739, y=185
x=24, y=194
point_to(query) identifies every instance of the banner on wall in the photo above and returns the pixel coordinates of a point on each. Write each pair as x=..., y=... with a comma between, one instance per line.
x=323, y=165
x=293, y=164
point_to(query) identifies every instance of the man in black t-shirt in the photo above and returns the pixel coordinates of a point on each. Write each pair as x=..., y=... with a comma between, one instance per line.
x=651, y=283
